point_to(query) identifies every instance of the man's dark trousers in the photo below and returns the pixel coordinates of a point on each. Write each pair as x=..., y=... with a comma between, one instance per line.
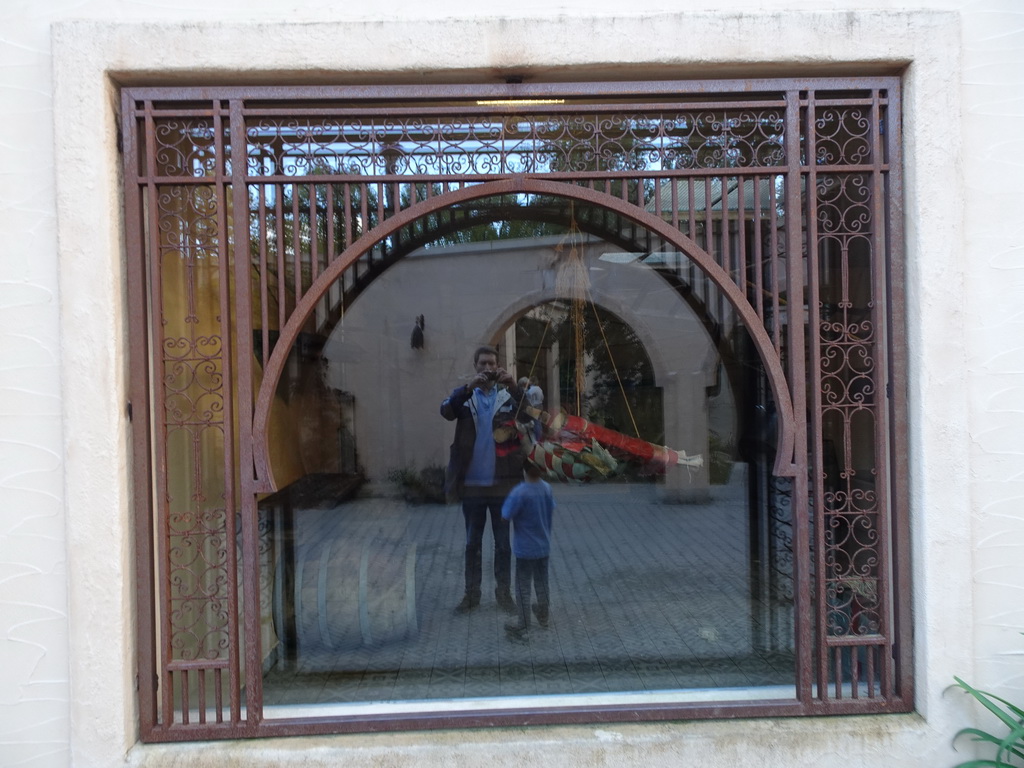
x=475, y=509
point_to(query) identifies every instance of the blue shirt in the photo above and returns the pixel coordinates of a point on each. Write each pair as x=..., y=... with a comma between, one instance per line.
x=481, y=466
x=529, y=506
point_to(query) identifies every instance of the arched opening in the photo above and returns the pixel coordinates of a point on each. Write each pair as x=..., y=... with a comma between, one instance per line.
x=603, y=372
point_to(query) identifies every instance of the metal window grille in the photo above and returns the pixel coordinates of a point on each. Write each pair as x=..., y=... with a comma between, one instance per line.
x=327, y=187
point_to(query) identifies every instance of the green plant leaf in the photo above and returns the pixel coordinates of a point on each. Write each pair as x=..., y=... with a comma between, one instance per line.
x=1009, y=747
x=978, y=735
x=1013, y=744
x=1009, y=705
x=988, y=701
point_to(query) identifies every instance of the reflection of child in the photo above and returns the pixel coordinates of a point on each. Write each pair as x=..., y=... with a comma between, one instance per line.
x=534, y=394
x=535, y=397
x=529, y=507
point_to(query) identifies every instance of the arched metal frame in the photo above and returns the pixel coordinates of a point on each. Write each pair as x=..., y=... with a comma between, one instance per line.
x=191, y=157
x=773, y=365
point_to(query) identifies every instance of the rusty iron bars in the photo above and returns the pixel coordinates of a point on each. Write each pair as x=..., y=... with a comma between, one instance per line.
x=249, y=211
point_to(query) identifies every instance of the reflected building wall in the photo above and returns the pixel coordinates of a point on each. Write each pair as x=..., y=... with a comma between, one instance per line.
x=470, y=295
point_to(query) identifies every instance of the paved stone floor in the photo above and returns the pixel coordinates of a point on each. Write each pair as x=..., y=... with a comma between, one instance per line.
x=646, y=596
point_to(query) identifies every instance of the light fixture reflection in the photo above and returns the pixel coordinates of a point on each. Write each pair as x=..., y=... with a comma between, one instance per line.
x=517, y=102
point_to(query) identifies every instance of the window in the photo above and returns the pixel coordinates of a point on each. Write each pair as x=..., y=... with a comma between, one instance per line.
x=703, y=292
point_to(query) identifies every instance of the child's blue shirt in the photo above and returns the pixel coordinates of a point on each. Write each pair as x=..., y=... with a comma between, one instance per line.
x=529, y=506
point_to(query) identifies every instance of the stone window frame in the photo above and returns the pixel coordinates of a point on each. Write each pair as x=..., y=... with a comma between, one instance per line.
x=916, y=44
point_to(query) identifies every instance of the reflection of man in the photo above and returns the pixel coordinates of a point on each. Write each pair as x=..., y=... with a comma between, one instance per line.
x=485, y=464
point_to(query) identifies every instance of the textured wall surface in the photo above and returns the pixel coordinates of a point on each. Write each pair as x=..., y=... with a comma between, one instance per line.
x=34, y=718
x=993, y=261
x=66, y=634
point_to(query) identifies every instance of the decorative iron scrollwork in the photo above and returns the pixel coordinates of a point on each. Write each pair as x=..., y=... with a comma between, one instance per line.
x=497, y=145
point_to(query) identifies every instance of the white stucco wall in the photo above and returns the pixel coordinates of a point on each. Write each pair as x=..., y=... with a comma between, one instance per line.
x=66, y=634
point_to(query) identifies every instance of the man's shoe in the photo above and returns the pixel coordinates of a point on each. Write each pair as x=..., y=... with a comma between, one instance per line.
x=541, y=614
x=468, y=604
x=507, y=604
x=517, y=631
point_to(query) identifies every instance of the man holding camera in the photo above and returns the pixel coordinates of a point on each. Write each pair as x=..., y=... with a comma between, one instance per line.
x=484, y=464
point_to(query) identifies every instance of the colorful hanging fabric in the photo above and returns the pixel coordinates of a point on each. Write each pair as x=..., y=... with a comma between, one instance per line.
x=574, y=449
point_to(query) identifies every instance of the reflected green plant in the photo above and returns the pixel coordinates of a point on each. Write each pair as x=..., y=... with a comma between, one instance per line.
x=425, y=486
x=1009, y=747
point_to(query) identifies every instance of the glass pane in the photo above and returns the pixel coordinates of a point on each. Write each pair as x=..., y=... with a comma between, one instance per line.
x=668, y=568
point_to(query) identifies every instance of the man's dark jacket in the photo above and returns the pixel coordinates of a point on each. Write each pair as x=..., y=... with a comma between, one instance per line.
x=460, y=407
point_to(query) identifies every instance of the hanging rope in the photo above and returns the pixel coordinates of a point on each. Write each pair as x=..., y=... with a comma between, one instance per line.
x=574, y=282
